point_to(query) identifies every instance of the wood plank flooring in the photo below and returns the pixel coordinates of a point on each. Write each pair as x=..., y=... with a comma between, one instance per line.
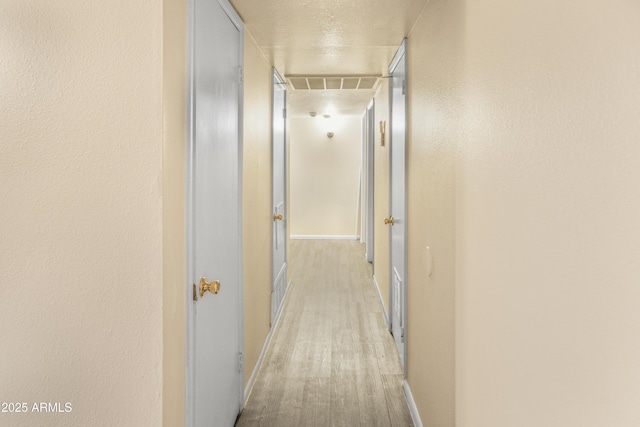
x=331, y=360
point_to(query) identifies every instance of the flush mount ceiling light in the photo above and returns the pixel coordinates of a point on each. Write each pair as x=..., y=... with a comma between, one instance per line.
x=312, y=113
x=326, y=116
x=333, y=82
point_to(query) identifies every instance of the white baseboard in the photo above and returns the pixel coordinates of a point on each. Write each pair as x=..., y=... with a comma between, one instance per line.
x=265, y=346
x=384, y=311
x=324, y=236
x=413, y=409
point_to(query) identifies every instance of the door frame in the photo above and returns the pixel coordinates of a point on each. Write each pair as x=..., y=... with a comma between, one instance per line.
x=190, y=211
x=278, y=80
x=399, y=55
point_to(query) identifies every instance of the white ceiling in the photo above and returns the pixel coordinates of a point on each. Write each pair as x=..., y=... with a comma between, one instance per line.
x=330, y=37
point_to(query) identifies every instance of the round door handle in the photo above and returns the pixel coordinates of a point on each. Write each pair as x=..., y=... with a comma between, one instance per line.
x=213, y=287
x=389, y=220
x=277, y=217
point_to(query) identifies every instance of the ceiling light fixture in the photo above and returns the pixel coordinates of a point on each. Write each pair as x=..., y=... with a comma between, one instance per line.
x=312, y=113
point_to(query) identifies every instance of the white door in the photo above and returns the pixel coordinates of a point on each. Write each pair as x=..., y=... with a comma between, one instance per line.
x=279, y=229
x=397, y=199
x=214, y=359
x=370, y=149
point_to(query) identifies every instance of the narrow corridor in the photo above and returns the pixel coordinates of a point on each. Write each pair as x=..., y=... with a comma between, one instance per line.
x=331, y=360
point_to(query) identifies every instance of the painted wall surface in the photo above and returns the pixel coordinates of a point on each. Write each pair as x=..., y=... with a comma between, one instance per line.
x=256, y=199
x=547, y=208
x=434, y=57
x=81, y=224
x=174, y=106
x=523, y=182
x=325, y=175
x=381, y=188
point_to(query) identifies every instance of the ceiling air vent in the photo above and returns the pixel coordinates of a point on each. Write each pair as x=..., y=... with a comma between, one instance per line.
x=359, y=82
x=299, y=84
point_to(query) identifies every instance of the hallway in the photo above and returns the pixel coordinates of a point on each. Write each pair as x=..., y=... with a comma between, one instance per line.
x=331, y=360
x=522, y=155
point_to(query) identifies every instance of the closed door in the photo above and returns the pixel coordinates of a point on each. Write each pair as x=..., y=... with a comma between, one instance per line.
x=214, y=384
x=369, y=156
x=279, y=229
x=397, y=200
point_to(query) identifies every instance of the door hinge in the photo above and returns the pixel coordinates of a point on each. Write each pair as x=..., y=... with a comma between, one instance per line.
x=402, y=334
x=241, y=74
x=404, y=86
x=240, y=362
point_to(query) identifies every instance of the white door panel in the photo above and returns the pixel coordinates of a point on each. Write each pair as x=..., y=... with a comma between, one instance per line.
x=279, y=230
x=215, y=377
x=370, y=150
x=397, y=199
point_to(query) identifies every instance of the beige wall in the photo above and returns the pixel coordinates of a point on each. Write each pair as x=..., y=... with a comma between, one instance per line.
x=174, y=88
x=257, y=220
x=547, y=210
x=381, y=188
x=324, y=175
x=433, y=54
x=81, y=225
x=523, y=180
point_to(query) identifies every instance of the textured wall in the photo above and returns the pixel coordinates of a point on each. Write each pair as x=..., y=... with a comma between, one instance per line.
x=257, y=219
x=174, y=87
x=434, y=57
x=80, y=184
x=547, y=209
x=381, y=188
x=523, y=180
x=324, y=175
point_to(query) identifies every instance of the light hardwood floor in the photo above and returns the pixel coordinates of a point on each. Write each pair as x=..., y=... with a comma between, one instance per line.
x=331, y=360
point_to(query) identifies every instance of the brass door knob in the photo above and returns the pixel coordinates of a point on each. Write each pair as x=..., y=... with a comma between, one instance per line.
x=277, y=217
x=213, y=287
x=389, y=220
